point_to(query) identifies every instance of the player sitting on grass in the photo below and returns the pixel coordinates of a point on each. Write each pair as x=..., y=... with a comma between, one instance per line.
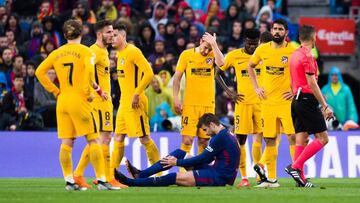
x=223, y=148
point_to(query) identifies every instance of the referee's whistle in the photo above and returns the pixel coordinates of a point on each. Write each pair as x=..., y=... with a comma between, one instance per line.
x=298, y=93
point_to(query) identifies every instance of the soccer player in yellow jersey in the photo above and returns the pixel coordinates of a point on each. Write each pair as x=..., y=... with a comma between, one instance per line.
x=247, y=115
x=198, y=65
x=275, y=93
x=104, y=108
x=134, y=75
x=74, y=64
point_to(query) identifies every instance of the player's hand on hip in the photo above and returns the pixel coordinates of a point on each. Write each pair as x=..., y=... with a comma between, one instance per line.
x=260, y=92
x=177, y=106
x=136, y=101
x=90, y=98
x=168, y=161
x=288, y=95
x=104, y=96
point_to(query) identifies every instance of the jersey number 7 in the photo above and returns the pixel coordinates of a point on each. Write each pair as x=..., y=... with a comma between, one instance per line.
x=71, y=66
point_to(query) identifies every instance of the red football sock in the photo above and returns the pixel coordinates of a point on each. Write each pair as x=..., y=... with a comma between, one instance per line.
x=308, y=152
x=298, y=151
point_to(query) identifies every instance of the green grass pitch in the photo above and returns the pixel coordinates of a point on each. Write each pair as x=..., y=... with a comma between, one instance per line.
x=52, y=190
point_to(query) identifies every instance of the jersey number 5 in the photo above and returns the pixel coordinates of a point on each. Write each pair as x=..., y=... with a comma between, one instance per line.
x=71, y=66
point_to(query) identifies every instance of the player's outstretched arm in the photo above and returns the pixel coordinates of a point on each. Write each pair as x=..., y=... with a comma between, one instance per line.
x=42, y=77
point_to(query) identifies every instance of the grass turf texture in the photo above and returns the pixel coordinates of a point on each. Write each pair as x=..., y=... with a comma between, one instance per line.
x=52, y=190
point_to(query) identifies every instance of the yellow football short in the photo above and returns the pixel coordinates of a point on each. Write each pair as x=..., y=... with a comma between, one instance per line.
x=247, y=119
x=133, y=122
x=75, y=117
x=190, y=119
x=104, y=114
x=275, y=115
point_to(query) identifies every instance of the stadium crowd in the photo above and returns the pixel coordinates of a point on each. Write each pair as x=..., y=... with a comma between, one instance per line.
x=31, y=30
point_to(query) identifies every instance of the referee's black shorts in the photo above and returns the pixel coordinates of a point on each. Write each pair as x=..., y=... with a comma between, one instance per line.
x=306, y=114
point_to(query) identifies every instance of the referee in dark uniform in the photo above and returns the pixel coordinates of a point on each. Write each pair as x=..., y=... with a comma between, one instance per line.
x=308, y=117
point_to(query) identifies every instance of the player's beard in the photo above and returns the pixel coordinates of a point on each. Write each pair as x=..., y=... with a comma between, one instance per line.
x=106, y=44
x=278, y=39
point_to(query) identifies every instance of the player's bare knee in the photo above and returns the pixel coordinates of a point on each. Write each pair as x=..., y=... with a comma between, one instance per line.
x=292, y=139
x=105, y=138
x=119, y=137
x=144, y=139
x=203, y=142
x=93, y=141
x=69, y=142
x=270, y=141
x=187, y=140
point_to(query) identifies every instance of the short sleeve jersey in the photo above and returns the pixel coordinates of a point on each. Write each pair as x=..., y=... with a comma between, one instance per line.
x=275, y=70
x=199, y=72
x=239, y=59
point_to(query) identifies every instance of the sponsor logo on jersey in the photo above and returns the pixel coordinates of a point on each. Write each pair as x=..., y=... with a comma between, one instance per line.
x=201, y=71
x=284, y=59
x=271, y=70
x=120, y=73
x=122, y=61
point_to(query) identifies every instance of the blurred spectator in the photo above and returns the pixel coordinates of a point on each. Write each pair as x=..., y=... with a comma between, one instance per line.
x=161, y=29
x=160, y=121
x=235, y=39
x=180, y=43
x=184, y=27
x=107, y=10
x=3, y=42
x=194, y=35
x=212, y=10
x=83, y=12
x=30, y=80
x=6, y=64
x=225, y=108
x=252, y=6
x=115, y=89
x=33, y=45
x=17, y=67
x=339, y=97
x=203, y=4
x=13, y=105
x=45, y=102
x=165, y=79
x=264, y=26
x=4, y=88
x=50, y=25
x=232, y=14
x=189, y=15
x=157, y=59
x=87, y=36
x=249, y=24
x=12, y=23
x=159, y=16
x=156, y=95
x=180, y=7
x=15, y=48
x=45, y=10
x=170, y=32
x=146, y=39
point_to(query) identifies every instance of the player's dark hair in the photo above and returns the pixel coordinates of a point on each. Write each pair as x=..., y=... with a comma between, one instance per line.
x=252, y=33
x=72, y=29
x=265, y=37
x=281, y=22
x=120, y=27
x=206, y=119
x=99, y=25
x=18, y=75
x=306, y=33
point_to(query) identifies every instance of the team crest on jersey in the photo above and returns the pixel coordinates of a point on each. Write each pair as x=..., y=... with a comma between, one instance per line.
x=284, y=59
x=209, y=61
x=122, y=61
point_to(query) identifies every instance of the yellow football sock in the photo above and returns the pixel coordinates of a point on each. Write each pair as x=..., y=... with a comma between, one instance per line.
x=117, y=154
x=292, y=152
x=256, y=151
x=185, y=147
x=271, y=157
x=106, y=154
x=66, y=162
x=152, y=151
x=200, y=149
x=242, y=164
x=83, y=162
x=97, y=160
x=262, y=160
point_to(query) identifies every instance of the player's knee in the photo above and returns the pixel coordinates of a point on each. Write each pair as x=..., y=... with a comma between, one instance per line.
x=119, y=137
x=68, y=142
x=241, y=138
x=93, y=141
x=270, y=141
x=291, y=139
x=105, y=138
x=187, y=140
x=144, y=139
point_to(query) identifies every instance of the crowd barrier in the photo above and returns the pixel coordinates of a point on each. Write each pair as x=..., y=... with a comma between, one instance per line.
x=35, y=154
